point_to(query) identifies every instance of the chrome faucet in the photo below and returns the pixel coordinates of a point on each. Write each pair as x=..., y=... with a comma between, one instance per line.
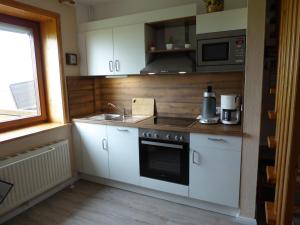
x=122, y=110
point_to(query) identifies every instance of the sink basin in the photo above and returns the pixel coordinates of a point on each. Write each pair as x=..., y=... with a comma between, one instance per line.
x=117, y=117
x=106, y=117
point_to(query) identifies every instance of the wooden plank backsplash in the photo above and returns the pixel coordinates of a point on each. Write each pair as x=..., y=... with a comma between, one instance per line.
x=175, y=95
x=81, y=96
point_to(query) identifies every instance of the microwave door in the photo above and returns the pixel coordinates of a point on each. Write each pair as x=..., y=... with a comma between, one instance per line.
x=214, y=52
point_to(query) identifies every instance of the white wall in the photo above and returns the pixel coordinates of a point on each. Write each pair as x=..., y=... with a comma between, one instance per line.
x=121, y=7
x=68, y=27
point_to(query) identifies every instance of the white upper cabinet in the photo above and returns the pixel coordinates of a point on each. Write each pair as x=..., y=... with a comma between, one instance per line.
x=215, y=169
x=100, y=52
x=116, y=51
x=227, y=20
x=123, y=154
x=94, y=149
x=129, y=49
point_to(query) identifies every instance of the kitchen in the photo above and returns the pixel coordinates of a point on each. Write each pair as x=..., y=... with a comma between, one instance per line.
x=163, y=151
x=153, y=103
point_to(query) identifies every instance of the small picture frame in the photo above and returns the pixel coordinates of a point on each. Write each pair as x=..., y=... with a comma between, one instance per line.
x=71, y=59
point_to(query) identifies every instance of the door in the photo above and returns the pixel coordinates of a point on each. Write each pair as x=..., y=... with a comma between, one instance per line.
x=99, y=47
x=94, y=149
x=215, y=169
x=129, y=49
x=123, y=154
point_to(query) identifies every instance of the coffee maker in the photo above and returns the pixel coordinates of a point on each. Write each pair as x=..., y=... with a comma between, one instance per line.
x=230, y=109
x=209, y=115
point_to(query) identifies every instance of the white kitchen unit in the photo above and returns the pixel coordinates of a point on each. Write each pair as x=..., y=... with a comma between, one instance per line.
x=129, y=49
x=100, y=52
x=94, y=149
x=123, y=154
x=127, y=33
x=116, y=51
x=215, y=163
x=222, y=21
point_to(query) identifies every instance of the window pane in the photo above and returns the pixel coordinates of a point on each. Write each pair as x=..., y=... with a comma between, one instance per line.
x=19, y=97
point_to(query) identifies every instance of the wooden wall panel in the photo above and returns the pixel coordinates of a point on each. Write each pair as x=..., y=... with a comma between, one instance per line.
x=175, y=95
x=287, y=110
x=80, y=96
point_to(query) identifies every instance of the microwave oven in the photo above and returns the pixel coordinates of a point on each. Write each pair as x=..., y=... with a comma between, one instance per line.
x=221, y=51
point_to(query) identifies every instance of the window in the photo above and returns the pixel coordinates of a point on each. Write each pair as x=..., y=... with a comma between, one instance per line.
x=22, y=97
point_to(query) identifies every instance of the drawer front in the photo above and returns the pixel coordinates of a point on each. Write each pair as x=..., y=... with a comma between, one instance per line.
x=216, y=141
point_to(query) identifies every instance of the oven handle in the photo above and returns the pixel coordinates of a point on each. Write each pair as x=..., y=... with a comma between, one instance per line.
x=159, y=144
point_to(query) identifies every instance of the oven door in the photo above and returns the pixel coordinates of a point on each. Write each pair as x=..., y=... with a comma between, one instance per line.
x=164, y=160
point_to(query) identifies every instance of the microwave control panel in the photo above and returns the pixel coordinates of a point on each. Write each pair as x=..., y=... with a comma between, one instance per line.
x=239, y=49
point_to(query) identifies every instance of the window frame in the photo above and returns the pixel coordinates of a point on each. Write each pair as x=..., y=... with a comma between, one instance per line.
x=35, y=28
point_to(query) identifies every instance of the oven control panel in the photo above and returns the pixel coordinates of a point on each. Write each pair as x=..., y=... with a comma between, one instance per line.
x=165, y=135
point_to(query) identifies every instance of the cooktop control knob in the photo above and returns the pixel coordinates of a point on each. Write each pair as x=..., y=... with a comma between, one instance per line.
x=181, y=138
x=144, y=134
x=176, y=138
x=156, y=135
x=168, y=136
x=149, y=135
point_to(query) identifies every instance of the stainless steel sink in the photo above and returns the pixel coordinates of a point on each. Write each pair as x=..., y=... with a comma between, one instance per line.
x=117, y=117
x=106, y=117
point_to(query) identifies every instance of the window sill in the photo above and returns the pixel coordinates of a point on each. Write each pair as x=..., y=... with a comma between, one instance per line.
x=29, y=131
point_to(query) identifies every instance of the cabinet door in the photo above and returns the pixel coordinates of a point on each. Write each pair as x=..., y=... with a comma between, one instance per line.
x=99, y=47
x=94, y=149
x=123, y=154
x=215, y=171
x=129, y=49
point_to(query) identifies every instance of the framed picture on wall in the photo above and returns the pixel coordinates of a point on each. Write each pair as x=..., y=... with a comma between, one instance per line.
x=71, y=59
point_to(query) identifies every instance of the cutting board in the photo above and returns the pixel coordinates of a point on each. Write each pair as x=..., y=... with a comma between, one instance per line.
x=143, y=106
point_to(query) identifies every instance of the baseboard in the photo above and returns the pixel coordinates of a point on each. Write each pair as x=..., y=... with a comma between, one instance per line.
x=37, y=200
x=228, y=211
x=246, y=220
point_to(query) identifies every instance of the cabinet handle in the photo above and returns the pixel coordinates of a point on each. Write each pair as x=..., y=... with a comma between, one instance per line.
x=217, y=139
x=111, y=66
x=117, y=65
x=123, y=130
x=196, y=158
x=104, y=144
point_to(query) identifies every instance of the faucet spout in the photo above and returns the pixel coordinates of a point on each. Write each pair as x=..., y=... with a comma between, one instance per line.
x=122, y=110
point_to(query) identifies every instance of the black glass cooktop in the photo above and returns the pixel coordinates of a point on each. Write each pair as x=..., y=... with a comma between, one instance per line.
x=171, y=121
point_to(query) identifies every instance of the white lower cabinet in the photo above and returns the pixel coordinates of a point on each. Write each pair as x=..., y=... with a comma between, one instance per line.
x=94, y=149
x=113, y=152
x=123, y=154
x=107, y=151
x=215, y=163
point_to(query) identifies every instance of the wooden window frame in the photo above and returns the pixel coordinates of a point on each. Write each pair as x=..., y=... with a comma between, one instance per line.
x=35, y=28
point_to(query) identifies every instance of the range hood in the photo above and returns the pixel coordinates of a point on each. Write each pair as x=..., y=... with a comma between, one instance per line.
x=170, y=64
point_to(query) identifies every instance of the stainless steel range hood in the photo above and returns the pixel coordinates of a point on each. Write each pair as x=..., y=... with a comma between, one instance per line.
x=170, y=64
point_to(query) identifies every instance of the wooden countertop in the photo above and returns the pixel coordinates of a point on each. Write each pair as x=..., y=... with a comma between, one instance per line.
x=196, y=127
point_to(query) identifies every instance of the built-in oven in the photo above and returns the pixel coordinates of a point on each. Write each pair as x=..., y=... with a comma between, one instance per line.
x=164, y=156
x=221, y=51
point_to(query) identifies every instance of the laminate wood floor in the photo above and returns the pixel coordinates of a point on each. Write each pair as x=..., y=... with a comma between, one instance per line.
x=94, y=204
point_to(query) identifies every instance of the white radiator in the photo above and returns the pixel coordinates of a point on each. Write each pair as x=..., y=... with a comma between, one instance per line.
x=34, y=172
